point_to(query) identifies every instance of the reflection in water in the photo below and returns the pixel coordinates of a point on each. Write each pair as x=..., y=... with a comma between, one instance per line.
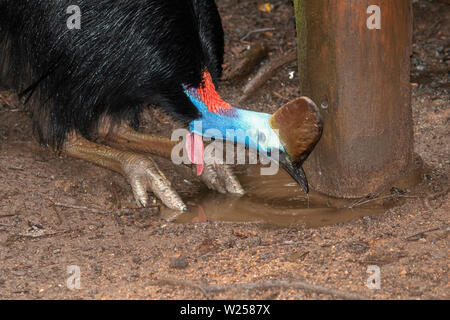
x=275, y=200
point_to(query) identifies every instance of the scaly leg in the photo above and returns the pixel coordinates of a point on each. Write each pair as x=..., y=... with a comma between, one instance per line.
x=141, y=171
x=217, y=177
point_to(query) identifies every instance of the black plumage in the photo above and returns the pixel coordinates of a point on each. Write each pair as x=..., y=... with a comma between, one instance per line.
x=127, y=54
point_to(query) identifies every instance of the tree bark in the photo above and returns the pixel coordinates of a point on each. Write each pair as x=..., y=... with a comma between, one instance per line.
x=360, y=79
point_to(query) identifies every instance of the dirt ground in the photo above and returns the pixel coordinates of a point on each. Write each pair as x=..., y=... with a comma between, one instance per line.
x=57, y=212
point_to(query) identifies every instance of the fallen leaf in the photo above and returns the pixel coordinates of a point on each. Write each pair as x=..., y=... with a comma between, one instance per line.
x=265, y=7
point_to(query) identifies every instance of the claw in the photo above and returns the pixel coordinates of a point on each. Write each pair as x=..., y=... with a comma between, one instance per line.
x=144, y=175
x=220, y=177
x=139, y=191
x=212, y=180
x=231, y=182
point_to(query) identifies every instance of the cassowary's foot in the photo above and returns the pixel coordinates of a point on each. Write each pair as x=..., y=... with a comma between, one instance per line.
x=217, y=177
x=141, y=171
x=144, y=175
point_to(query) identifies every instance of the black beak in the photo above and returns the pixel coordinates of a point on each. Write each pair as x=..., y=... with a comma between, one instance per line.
x=295, y=170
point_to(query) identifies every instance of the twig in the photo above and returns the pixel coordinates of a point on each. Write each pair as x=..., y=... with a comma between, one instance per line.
x=183, y=283
x=256, y=31
x=358, y=204
x=280, y=96
x=418, y=235
x=247, y=62
x=18, y=237
x=358, y=201
x=207, y=288
x=266, y=72
x=8, y=215
x=16, y=168
x=65, y=205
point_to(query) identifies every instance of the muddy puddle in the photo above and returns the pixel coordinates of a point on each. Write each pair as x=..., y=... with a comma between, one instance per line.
x=274, y=200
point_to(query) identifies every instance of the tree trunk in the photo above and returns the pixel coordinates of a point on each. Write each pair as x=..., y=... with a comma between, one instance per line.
x=359, y=76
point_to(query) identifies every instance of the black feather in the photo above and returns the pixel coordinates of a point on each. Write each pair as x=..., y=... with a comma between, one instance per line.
x=128, y=53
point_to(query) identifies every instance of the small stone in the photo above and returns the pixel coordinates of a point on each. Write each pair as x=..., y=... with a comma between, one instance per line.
x=179, y=263
x=297, y=256
x=136, y=260
x=253, y=242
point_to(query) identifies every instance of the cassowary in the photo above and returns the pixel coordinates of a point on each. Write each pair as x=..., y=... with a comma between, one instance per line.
x=82, y=85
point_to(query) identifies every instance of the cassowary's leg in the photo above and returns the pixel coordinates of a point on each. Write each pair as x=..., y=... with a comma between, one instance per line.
x=216, y=177
x=141, y=171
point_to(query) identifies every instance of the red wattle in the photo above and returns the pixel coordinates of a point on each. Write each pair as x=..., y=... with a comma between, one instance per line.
x=210, y=97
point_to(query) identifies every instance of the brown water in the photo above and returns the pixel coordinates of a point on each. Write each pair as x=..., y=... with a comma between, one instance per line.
x=275, y=200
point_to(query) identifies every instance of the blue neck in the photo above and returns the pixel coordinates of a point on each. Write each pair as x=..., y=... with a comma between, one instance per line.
x=242, y=126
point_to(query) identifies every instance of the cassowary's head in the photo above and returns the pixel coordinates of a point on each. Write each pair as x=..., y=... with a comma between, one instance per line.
x=287, y=137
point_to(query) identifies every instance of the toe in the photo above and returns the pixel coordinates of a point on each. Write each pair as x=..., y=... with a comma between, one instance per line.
x=167, y=194
x=221, y=178
x=229, y=179
x=212, y=180
x=144, y=175
x=139, y=187
x=163, y=189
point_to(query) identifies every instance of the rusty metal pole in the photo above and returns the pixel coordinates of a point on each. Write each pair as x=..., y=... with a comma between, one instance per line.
x=356, y=66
